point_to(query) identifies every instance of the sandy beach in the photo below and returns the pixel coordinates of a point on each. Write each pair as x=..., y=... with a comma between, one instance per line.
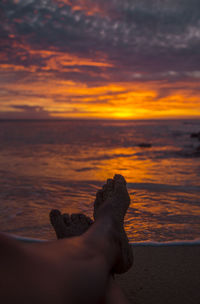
x=163, y=275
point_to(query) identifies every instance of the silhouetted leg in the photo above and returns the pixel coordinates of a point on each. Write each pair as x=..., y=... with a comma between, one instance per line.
x=75, y=270
x=68, y=226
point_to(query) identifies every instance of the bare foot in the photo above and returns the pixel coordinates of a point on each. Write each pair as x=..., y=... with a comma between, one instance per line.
x=67, y=226
x=113, y=200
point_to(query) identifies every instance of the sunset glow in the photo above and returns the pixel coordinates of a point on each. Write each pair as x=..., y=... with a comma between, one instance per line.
x=94, y=59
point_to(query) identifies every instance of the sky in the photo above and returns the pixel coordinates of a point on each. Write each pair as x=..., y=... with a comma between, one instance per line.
x=116, y=59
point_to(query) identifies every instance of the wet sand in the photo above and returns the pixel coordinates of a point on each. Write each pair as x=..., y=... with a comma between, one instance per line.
x=163, y=275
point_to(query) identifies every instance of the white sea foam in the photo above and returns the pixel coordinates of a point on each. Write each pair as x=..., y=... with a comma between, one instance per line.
x=173, y=243
x=155, y=244
x=25, y=239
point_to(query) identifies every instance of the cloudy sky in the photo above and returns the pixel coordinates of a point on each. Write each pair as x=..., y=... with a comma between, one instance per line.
x=99, y=59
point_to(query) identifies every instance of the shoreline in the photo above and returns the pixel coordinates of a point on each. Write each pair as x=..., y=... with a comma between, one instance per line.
x=142, y=243
x=162, y=273
x=167, y=243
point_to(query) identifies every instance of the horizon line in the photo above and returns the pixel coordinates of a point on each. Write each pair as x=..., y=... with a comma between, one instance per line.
x=100, y=119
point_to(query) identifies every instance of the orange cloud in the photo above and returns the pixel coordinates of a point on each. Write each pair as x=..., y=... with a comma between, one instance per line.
x=87, y=6
x=62, y=98
x=66, y=99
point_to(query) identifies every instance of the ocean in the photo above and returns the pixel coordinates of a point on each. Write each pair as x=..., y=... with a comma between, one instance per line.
x=62, y=164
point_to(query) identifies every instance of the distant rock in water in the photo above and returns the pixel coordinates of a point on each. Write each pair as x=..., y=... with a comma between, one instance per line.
x=195, y=135
x=198, y=149
x=197, y=152
x=145, y=145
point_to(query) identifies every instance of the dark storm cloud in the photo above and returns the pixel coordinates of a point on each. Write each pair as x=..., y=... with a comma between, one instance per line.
x=27, y=108
x=7, y=94
x=20, y=93
x=144, y=40
x=25, y=112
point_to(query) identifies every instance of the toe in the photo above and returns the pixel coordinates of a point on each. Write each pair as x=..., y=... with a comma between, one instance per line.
x=85, y=222
x=105, y=192
x=89, y=221
x=75, y=218
x=82, y=219
x=110, y=184
x=119, y=179
x=119, y=184
x=66, y=219
x=58, y=224
x=99, y=197
x=55, y=212
x=54, y=216
x=108, y=188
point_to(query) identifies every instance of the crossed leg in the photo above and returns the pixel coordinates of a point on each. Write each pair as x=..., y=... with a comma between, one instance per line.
x=66, y=226
x=74, y=270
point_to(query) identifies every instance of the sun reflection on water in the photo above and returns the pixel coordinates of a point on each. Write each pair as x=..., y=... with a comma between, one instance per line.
x=164, y=189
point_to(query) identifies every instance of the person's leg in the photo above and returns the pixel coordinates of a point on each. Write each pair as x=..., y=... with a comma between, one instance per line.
x=114, y=294
x=104, y=247
x=66, y=226
x=75, y=270
x=106, y=237
x=111, y=204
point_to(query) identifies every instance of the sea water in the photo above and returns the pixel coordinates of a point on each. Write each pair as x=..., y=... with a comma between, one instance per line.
x=62, y=164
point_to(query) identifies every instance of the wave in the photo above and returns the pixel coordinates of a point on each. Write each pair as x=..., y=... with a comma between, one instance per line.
x=164, y=187
x=146, y=243
x=172, y=243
